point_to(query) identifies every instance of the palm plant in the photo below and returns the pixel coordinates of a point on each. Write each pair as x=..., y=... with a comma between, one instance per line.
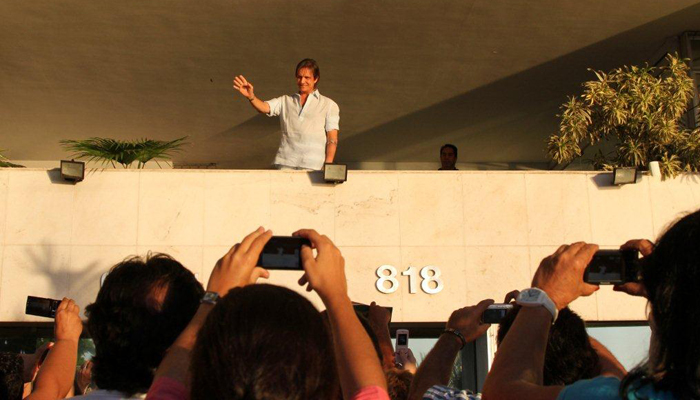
x=5, y=163
x=639, y=110
x=124, y=152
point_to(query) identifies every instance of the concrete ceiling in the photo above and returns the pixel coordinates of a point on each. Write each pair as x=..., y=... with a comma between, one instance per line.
x=408, y=75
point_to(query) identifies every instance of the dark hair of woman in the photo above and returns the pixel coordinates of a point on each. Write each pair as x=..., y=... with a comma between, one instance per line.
x=671, y=276
x=264, y=342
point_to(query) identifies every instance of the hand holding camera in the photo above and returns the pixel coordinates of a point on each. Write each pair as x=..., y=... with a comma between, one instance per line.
x=238, y=267
x=467, y=320
x=561, y=274
x=645, y=248
x=324, y=273
x=68, y=325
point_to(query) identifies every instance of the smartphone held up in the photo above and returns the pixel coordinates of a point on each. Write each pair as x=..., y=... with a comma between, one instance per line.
x=283, y=252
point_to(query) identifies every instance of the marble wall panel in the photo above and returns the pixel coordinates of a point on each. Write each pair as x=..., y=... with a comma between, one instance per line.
x=618, y=213
x=617, y=306
x=41, y=271
x=367, y=210
x=171, y=208
x=586, y=307
x=296, y=203
x=557, y=209
x=495, y=211
x=189, y=256
x=4, y=179
x=431, y=209
x=39, y=208
x=423, y=307
x=106, y=208
x=672, y=199
x=361, y=264
x=236, y=203
x=87, y=266
x=492, y=271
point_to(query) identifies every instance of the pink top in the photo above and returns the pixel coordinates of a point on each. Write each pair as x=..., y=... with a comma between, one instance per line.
x=165, y=388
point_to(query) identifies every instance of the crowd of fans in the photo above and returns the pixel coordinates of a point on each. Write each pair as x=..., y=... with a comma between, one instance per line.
x=157, y=334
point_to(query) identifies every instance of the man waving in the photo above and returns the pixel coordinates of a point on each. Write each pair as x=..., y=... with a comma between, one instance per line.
x=309, y=121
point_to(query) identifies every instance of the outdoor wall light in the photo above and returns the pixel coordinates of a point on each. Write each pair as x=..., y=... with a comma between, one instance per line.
x=335, y=173
x=624, y=175
x=72, y=170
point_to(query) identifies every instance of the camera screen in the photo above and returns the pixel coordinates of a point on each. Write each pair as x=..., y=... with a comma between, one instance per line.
x=606, y=266
x=402, y=340
x=282, y=253
x=494, y=316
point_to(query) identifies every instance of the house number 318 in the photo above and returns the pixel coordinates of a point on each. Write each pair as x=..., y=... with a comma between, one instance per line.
x=430, y=284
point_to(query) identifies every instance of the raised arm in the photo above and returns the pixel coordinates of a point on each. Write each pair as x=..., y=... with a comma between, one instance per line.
x=437, y=366
x=246, y=89
x=517, y=370
x=358, y=364
x=56, y=375
x=236, y=268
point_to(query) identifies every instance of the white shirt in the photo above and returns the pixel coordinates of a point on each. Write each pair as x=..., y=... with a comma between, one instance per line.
x=304, y=129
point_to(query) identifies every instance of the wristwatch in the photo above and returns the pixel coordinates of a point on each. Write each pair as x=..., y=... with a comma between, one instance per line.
x=210, y=298
x=535, y=297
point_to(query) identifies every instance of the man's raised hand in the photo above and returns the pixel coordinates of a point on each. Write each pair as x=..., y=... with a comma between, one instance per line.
x=324, y=273
x=243, y=86
x=561, y=274
x=237, y=268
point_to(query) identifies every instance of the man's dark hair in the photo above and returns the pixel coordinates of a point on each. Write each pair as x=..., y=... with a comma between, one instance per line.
x=140, y=310
x=569, y=356
x=11, y=371
x=451, y=146
x=671, y=276
x=310, y=64
x=264, y=342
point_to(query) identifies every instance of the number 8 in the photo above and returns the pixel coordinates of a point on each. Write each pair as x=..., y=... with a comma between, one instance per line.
x=425, y=285
x=387, y=278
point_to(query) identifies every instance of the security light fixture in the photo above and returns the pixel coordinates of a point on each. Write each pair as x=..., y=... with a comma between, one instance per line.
x=72, y=170
x=624, y=175
x=335, y=173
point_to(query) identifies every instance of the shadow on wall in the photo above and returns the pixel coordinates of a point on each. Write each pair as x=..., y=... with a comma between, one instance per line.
x=515, y=113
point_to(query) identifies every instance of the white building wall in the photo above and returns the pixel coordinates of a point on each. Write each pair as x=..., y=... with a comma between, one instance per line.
x=485, y=231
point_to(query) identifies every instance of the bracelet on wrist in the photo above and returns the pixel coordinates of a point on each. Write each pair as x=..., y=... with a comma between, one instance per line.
x=251, y=98
x=458, y=334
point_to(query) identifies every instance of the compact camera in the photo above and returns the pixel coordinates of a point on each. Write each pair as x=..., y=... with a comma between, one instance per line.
x=611, y=267
x=41, y=307
x=495, y=313
x=401, y=339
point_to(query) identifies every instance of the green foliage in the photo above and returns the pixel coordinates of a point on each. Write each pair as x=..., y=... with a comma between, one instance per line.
x=124, y=152
x=639, y=109
x=5, y=163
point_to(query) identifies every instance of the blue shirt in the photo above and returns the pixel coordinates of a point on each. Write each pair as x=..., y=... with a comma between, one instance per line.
x=608, y=388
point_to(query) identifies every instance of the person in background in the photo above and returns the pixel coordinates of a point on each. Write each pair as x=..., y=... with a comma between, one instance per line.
x=448, y=157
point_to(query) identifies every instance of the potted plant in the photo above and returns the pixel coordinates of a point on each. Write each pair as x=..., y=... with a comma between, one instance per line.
x=638, y=111
x=124, y=152
x=5, y=163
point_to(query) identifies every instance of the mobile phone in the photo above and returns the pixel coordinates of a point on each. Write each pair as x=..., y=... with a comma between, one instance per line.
x=610, y=267
x=401, y=339
x=41, y=307
x=283, y=252
x=495, y=313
